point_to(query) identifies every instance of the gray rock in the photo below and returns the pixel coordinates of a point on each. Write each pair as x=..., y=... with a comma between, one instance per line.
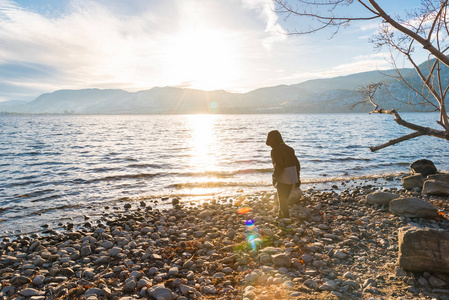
x=73, y=235
x=272, y=250
x=351, y=283
x=209, y=289
x=288, y=284
x=326, y=287
x=199, y=233
x=349, y=275
x=135, y=274
x=20, y=280
x=380, y=198
x=85, y=250
x=311, y=284
x=265, y=258
x=94, y=291
x=102, y=260
x=34, y=245
x=424, y=250
x=413, y=181
x=251, y=277
x=423, y=166
x=67, y=271
x=144, y=281
x=337, y=294
x=38, y=280
x=423, y=282
x=307, y=258
x=129, y=285
x=282, y=260
x=107, y=244
x=433, y=187
x=114, y=251
x=340, y=255
x=413, y=207
x=206, y=213
x=146, y=230
x=159, y=292
x=173, y=271
x=191, y=275
x=219, y=275
x=436, y=282
x=29, y=292
x=39, y=262
x=439, y=177
x=187, y=291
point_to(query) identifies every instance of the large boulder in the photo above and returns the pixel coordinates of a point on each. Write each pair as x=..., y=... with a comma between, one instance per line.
x=413, y=181
x=380, y=198
x=424, y=250
x=439, y=177
x=424, y=167
x=433, y=187
x=413, y=208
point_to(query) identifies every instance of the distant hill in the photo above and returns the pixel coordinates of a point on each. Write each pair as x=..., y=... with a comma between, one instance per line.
x=314, y=96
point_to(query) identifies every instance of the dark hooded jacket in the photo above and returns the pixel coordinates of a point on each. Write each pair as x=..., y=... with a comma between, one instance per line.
x=285, y=163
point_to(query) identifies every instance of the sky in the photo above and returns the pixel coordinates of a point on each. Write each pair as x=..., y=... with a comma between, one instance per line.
x=232, y=45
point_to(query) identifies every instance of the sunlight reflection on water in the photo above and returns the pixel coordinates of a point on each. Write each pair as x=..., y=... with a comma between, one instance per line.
x=51, y=164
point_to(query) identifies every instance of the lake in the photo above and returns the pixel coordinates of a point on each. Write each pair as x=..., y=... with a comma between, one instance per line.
x=55, y=169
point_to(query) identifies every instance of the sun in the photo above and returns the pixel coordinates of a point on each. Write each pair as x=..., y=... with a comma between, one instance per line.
x=203, y=59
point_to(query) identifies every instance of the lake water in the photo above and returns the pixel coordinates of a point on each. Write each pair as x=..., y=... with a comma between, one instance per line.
x=55, y=169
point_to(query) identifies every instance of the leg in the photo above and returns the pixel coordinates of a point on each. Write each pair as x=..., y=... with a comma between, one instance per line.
x=283, y=193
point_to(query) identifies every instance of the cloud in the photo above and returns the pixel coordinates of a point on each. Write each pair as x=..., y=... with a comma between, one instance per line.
x=139, y=44
x=121, y=44
x=362, y=63
x=266, y=11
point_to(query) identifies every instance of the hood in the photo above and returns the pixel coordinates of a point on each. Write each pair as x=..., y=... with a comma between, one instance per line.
x=274, y=138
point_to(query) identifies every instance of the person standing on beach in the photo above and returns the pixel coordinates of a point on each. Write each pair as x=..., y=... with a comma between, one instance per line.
x=286, y=170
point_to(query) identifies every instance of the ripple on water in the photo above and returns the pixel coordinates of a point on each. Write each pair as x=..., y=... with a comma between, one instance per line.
x=57, y=166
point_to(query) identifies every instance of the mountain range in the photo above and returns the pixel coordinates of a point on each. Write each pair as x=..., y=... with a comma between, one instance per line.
x=329, y=95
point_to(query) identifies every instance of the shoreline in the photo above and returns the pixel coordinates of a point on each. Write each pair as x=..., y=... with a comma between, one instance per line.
x=97, y=211
x=334, y=247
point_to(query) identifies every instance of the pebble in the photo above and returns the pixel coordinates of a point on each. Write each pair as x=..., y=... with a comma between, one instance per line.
x=29, y=292
x=335, y=246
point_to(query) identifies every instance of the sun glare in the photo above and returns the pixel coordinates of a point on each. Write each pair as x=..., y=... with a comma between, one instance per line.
x=203, y=59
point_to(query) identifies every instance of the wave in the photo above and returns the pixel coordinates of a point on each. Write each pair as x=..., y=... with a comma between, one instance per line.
x=115, y=178
x=222, y=184
x=16, y=184
x=35, y=194
x=355, y=177
x=340, y=159
x=47, y=163
x=46, y=198
x=46, y=210
x=224, y=174
x=217, y=184
x=138, y=166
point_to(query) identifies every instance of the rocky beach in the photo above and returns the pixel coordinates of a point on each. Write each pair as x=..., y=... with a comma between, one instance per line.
x=345, y=242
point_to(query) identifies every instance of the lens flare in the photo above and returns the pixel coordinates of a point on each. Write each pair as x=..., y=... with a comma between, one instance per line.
x=252, y=234
x=244, y=210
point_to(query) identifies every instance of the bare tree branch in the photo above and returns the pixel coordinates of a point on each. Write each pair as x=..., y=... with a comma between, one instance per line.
x=426, y=26
x=424, y=42
x=396, y=141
